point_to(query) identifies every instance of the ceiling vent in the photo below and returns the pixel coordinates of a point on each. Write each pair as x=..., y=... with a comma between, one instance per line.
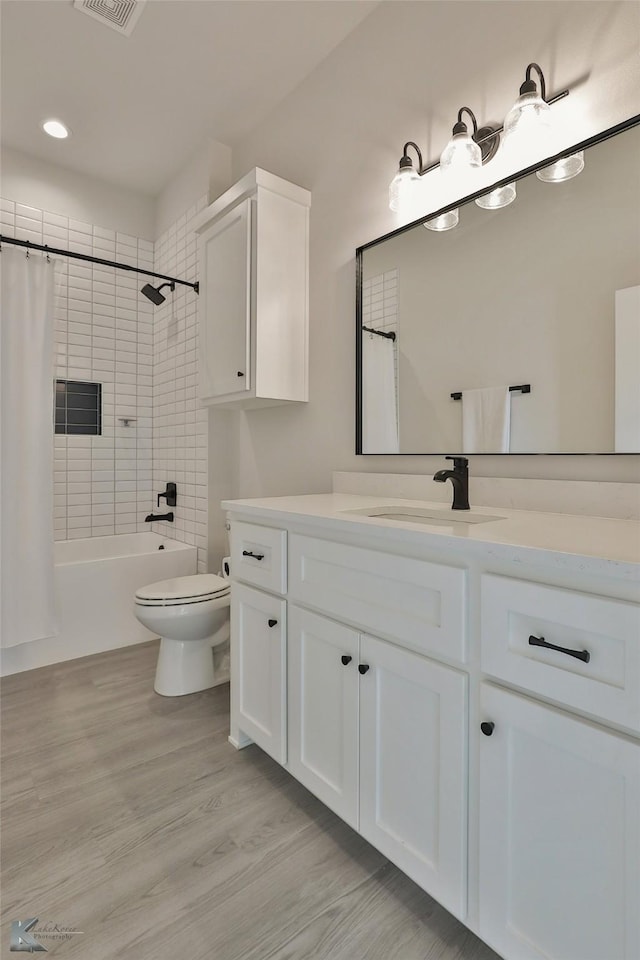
x=120, y=15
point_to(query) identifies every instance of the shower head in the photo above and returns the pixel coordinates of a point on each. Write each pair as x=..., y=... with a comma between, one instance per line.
x=153, y=293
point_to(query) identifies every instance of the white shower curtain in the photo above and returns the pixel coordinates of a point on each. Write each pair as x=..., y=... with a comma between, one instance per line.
x=26, y=447
x=379, y=404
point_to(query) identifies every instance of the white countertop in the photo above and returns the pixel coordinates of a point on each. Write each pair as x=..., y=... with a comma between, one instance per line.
x=594, y=544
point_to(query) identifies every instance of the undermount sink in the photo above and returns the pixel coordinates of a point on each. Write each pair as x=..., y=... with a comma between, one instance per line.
x=426, y=515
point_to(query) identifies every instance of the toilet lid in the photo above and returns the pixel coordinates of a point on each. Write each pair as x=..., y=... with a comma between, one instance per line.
x=202, y=586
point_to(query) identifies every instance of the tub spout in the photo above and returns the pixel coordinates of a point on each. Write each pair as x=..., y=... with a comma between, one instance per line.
x=151, y=517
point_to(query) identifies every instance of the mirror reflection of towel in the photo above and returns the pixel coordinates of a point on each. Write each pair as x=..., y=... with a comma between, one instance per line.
x=379, y=406
x=486, y=420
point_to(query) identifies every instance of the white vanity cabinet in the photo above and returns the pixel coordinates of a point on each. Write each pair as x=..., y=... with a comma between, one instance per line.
x=253, y=252
x=378, y=733
x=480, y=729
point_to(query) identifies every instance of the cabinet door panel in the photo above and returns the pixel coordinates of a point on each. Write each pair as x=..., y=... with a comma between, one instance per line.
x=323, y=710
x=412, y=767
x=258, y=665
x=225, y=258
x=559, y=835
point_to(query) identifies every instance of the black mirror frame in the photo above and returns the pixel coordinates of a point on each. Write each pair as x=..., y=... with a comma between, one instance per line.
x=469, y=198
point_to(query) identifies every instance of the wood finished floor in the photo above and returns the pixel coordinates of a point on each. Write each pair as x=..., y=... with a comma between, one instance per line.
x=129, y=816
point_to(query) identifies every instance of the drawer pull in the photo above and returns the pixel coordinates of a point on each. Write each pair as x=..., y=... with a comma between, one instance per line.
x=487, y=727
x=346, y=659
x=362, y=668
x=272, y=623
x=240, y=373
x=578, y=654
x=256, y=556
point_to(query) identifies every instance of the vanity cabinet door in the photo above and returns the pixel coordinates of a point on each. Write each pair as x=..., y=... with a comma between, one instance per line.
x=258, y=668
x=559, y=834
x=323, y=710
x=413, y=767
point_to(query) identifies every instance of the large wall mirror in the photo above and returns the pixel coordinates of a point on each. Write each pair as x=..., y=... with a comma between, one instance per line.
x=542, y=296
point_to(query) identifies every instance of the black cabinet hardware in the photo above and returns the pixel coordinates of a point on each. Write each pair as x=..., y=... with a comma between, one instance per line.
x=250, y=553
x=487, y=727
x=240, y=373
x=583, y=655
x=272, y=623
x=346, y=659
x=363, y=667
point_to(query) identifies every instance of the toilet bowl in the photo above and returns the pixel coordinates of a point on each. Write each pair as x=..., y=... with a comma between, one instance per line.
x=191, y=616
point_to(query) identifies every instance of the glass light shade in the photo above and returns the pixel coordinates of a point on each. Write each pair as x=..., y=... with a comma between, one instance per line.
x=527, y=125
x=403, y=192
x=563, y=169
x=460, y=155
x=498, y=198
x=55, y=129
x=446, y=221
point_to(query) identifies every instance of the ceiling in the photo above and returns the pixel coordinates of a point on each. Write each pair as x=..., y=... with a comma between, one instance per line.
x=140, y=106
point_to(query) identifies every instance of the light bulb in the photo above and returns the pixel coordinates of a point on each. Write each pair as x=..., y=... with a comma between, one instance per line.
x=527, y=127
x=403, y=190
x=446, y=221
x=461, y=155
x=563, y=169
x=498, y=198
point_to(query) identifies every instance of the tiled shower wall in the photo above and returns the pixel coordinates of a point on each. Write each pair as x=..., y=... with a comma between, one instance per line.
x=104, y=333
x=180, y=423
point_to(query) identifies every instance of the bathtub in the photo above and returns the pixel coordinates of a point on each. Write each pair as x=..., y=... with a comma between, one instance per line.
x=95, y=580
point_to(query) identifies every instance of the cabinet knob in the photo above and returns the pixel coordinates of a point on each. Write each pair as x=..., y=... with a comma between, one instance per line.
x=362, y=668
x=346, y=659
x=240, y=373
x=272, y=623
x=487, y=727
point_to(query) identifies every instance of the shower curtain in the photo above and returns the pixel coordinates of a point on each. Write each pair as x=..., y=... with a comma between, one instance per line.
x=379, y=404
x=26, y=448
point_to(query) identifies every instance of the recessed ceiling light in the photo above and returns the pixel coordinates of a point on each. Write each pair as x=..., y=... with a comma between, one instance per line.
x=56, y=129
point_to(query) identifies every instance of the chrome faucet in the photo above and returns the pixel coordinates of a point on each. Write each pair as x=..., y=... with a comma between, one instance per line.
x=459, y=477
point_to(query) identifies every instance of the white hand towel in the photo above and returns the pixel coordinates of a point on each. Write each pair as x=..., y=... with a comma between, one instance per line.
x=486, y=420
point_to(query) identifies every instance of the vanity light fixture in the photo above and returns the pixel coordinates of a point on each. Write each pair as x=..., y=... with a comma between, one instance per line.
x=55, y=128
x=528, y=122
x=462, y=154
x=403, y=188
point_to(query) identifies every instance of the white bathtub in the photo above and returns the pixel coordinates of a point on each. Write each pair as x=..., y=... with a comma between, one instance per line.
x=95, y=581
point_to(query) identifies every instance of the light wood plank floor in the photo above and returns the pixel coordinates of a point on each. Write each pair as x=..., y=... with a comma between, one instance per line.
x=128, y=816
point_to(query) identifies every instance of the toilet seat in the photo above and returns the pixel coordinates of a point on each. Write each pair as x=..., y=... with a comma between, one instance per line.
x=182, y=590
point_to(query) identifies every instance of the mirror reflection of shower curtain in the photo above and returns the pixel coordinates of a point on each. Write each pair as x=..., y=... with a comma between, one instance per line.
x=379, y=400
x=26, y=448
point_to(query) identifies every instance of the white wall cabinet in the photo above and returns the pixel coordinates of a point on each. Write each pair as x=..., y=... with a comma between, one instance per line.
x=559, y=834
x=486, y=740
x=253, y=252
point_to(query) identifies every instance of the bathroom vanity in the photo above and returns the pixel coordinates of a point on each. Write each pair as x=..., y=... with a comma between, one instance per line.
x=464, y=692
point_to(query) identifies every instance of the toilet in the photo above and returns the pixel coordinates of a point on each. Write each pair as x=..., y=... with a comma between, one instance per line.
x=191, y=617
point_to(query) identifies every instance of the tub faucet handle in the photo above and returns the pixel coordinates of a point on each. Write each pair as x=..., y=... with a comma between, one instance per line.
x=169, y=495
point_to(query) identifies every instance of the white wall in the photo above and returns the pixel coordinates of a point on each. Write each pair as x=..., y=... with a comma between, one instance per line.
x=403, y=74
x=47, y=186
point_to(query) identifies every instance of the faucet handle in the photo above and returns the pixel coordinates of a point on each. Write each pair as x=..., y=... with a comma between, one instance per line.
x=459, y=463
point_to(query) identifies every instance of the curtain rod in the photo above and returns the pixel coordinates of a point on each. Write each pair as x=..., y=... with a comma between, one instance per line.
x=85, y=256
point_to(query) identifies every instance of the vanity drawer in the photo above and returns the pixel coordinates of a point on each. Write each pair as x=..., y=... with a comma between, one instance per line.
x=418, y=604
x=606, y=632
x=259, y=555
